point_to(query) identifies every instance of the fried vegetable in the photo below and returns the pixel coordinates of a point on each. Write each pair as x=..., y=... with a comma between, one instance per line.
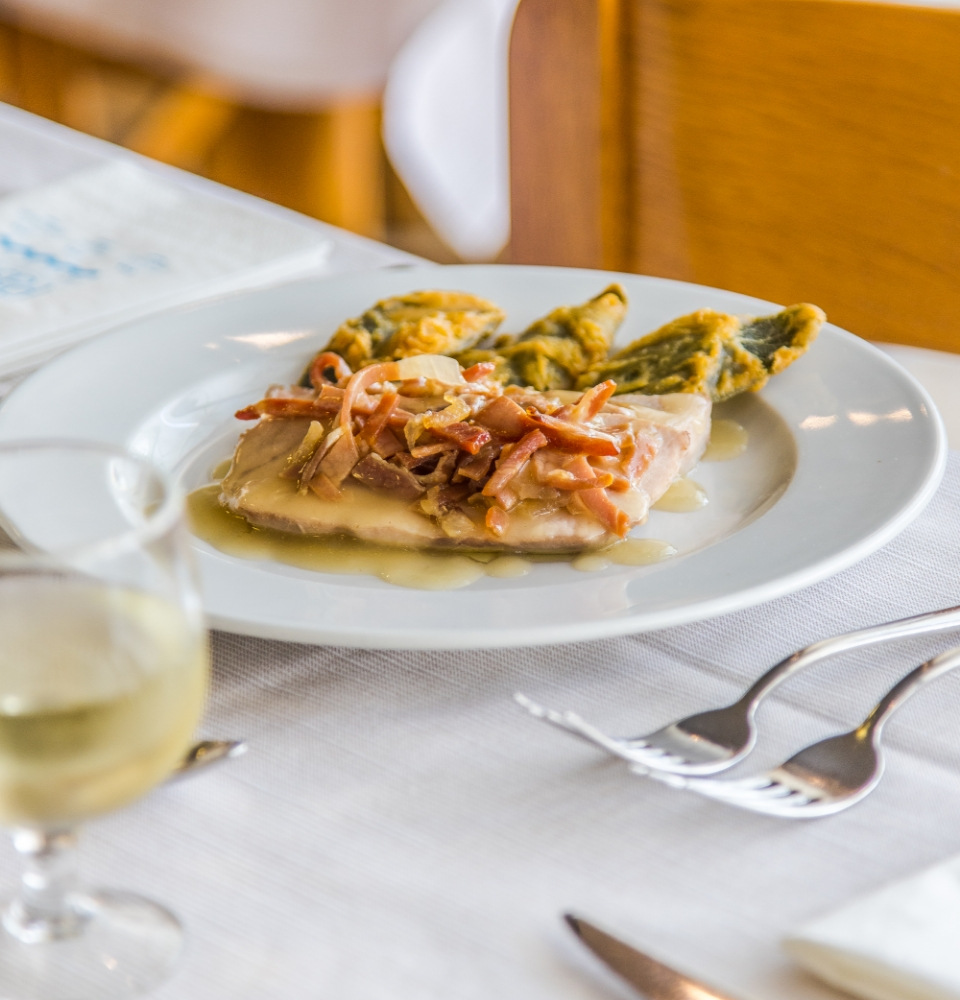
x=502, y=372
x=710, y=353
x=427, y=322
x=684, y=356
x=780, y=339
x=555, y=350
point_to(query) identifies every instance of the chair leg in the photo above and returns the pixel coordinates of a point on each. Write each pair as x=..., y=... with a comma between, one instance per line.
x=41, y=73
x=182, y=125
x=8, y=75
x=346, y=182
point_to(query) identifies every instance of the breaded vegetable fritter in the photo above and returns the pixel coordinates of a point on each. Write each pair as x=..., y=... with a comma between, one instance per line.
x=711, y=353
x=428, y=322
x=554, y=351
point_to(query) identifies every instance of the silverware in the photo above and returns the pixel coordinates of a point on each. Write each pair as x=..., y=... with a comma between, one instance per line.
x=205, y=753
x=652, y=978
x=823, y=778
x=712, y=741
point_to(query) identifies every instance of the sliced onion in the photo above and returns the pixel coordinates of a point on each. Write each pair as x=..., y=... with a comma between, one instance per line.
x=437, y=367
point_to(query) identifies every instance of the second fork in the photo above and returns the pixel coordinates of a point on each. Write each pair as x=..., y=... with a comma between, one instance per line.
x=825, y=777
x=712, y=741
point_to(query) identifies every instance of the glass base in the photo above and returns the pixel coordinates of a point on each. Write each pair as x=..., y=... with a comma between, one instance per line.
x=123, y=946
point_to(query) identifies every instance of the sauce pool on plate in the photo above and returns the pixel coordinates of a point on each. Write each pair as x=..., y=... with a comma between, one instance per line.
x=437, y=570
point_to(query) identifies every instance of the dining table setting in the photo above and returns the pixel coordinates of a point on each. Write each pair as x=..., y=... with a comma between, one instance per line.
x=473, y=790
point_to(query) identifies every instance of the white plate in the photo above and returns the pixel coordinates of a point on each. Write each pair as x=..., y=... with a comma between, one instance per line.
x=845, y=450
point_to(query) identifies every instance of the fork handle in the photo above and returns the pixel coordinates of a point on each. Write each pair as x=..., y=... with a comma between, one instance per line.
x=930, y=621
x=905, y=688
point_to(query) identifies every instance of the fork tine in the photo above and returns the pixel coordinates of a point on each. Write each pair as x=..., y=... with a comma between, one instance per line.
x=634, y=751
x=570, y=722
x=762, y=793
x=755, y=787
x=773, y=799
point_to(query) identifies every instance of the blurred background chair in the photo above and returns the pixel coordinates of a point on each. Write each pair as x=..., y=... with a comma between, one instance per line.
x=796, y=150
x=445, y=123
x=281, y=99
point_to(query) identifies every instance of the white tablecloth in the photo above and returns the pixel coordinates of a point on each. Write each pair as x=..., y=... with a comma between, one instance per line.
x=400, y=829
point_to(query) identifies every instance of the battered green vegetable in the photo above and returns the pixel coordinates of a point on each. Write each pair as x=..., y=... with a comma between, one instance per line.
x=429, y=322
x=709, y=352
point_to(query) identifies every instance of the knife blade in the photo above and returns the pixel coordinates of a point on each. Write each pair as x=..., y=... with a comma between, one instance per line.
x=653, y=979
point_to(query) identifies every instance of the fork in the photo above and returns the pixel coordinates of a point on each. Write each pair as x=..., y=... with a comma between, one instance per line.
x=825, y=777
x=712, y=741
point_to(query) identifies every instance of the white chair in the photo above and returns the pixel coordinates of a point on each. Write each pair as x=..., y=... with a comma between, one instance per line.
x=278, y=62
x=445, y=123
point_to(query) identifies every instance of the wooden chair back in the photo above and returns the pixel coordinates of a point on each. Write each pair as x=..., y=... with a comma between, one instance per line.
x=796, y=150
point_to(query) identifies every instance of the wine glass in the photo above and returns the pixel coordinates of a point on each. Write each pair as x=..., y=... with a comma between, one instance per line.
x=103, y=674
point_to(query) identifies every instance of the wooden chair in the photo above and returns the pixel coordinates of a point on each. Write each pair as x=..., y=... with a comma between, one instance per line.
x=796, y=150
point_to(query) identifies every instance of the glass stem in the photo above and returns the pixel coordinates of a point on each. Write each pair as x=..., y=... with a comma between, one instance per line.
x=43, y=910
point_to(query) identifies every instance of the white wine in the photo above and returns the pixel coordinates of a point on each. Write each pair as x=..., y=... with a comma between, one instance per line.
x=100, y=692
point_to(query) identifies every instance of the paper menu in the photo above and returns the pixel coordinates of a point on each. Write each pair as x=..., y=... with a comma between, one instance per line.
x=112, y=243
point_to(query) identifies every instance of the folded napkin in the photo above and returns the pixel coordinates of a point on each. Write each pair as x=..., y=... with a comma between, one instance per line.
x=115, y=242
x=899, y=943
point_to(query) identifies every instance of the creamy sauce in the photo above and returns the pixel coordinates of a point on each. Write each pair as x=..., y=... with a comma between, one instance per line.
x=419, y=569
x=436, y=569
x=590, y=562
x=639, y=552
x=506, y=567
x=728, y=439
x=682, y=496
x=221, y=469
x=629, y=552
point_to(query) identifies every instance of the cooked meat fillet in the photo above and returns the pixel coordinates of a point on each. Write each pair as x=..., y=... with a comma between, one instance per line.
x=461, y=462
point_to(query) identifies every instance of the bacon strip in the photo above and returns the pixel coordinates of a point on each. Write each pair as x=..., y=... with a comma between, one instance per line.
x=323, y=361
x=387, y=443
x=575, y=474
x=378, y=419
x=505, y=417
x=277, y=407
x=328, y=403
x=605, y=511
x=356, y=388
x=469, y=438
x=592, y=401
x=496, y=521
x=479, y=371
x=511, y=464
x=636, y=457
x=477, y=466
x=574, y=437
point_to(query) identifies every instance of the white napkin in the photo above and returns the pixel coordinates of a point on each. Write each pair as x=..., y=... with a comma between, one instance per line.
x=899, y=943
x=112, y=243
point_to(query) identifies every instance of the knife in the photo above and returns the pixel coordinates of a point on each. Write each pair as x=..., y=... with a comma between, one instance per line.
x=653, y=979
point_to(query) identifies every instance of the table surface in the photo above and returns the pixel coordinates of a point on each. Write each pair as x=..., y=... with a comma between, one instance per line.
x=399, y=829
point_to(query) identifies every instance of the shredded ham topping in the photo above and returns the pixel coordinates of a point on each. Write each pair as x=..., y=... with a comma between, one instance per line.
x=469, y=452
